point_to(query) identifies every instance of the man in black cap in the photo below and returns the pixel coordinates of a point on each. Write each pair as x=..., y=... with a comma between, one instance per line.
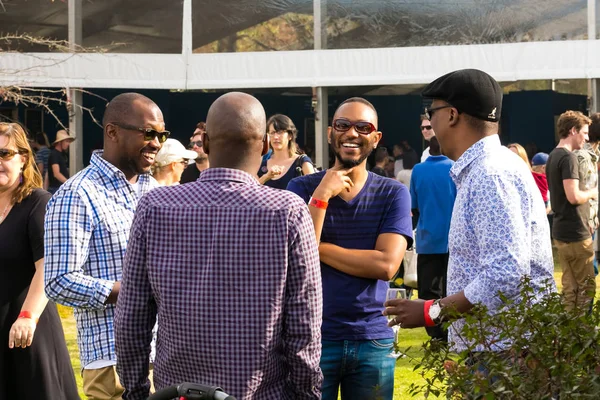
x=498, y=232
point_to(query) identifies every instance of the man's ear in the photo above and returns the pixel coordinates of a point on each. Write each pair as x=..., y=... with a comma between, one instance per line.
x=378, y=136
x=110, y=131
x=205, y=141
x=452, y=116
x=329, y=131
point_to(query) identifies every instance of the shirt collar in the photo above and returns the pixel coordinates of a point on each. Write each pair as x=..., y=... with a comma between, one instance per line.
x=481, y=147
x=113, y=173
x=436, y=158
x=228, y=174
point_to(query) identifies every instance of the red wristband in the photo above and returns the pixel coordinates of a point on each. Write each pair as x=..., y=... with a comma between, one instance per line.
x=27, y=314
x=318, y=203
x=428, y=321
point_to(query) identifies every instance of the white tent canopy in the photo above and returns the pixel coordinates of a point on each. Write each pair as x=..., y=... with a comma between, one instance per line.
x=577, y=59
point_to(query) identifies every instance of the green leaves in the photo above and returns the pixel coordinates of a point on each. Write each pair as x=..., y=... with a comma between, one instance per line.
x=548, y=353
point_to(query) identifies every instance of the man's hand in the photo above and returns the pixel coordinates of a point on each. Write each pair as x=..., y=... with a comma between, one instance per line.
x=409, y=313
x=332, y=184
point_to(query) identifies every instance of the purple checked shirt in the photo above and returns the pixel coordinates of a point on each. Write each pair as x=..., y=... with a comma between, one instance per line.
x=232, y=270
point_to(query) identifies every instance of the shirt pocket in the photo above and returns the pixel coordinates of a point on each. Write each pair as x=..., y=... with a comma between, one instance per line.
x=113, y=238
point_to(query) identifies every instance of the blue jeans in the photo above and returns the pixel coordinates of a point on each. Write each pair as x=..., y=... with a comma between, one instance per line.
x=363, y=369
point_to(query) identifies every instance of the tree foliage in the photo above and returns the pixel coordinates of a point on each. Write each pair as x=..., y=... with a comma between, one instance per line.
x=548, y=353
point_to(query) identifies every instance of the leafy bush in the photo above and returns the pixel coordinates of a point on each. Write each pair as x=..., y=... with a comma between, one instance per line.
x=549, y=353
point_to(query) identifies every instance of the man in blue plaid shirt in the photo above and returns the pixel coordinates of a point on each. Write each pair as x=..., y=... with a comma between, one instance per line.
x=87, y=227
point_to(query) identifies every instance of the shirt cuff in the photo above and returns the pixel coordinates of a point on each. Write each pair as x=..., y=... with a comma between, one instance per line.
x=103, y=289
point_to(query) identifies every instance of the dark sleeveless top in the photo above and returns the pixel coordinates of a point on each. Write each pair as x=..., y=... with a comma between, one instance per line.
x=293, y=171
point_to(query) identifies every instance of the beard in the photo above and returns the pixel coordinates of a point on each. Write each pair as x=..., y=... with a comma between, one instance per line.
x=201, y=159
x=347, y=164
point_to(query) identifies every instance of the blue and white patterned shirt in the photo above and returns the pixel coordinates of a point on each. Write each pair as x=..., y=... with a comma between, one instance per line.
x=499, y=231
x=86, y=231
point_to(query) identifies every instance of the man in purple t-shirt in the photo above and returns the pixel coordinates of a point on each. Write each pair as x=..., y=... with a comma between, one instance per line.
x=363, y=223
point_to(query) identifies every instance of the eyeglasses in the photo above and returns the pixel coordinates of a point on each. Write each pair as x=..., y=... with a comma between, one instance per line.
x=8, y=154
x=149, y=133
x=429, y=111
x=362, y=127
x=184, y=162
x=426, y=127
x=277, y=133
x=196, y=143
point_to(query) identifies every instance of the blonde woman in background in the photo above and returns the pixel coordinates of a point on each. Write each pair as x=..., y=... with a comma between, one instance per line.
x=540, y=179
x=520, y=151
x=34, y=361
x=170, y=162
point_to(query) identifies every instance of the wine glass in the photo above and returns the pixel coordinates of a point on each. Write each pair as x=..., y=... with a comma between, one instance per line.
x=395, y=293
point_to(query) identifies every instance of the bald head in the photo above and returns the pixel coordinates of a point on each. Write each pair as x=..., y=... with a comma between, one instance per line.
x=236, y=117
x=235, y=132
x=125, y=106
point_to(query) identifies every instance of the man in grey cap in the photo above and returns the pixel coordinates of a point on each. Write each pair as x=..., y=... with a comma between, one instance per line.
x=498, y=232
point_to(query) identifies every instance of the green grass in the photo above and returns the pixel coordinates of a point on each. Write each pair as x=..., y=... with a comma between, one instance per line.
x=404, y=376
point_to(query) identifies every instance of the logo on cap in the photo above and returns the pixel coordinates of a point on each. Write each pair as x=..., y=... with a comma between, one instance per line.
x=492, y=114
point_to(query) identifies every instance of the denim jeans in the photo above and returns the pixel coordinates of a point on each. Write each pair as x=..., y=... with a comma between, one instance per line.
x=364, y=369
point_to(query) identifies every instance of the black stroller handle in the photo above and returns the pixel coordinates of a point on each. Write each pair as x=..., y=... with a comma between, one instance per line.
x=191, y=391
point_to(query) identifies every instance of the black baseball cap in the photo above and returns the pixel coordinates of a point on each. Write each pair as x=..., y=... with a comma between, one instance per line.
x=469, y=90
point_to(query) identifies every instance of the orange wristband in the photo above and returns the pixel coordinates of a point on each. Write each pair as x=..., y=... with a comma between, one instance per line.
x=318, y=203
x=27, y=314
x=428, y=321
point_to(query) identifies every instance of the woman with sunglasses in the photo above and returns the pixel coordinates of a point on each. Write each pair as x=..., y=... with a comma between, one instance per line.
x=34, y=361
x=285, y=163
x=170, y=162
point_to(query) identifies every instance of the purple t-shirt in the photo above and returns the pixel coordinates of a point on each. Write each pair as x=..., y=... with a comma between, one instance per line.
x=352, y=306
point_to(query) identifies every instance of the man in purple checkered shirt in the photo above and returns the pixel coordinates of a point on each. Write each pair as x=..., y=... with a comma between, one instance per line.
x=231, y=268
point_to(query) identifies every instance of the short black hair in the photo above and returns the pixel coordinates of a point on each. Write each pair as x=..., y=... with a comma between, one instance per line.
x=121, y=106
x=358, y=100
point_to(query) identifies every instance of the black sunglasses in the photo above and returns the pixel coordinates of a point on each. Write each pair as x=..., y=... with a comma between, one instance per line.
x=8, y=154
x=426, y=127
x=149, y=133
x=362, y=127
x=429, y=111
x=197, y=143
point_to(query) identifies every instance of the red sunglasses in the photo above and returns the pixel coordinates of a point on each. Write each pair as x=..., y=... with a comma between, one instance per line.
x=362, y=127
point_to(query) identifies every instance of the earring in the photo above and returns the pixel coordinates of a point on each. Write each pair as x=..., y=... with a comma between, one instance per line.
x=21, y=177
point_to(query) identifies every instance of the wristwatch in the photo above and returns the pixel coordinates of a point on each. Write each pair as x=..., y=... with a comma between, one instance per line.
x=435, y=312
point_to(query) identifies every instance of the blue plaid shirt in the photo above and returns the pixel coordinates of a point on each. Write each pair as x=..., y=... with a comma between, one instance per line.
x=86, y=231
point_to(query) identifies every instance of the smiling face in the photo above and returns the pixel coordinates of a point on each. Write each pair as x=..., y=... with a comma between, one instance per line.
x=11, y=167
x=350, y=147
x=197, y=138
x=426, y=130
x=135, y=153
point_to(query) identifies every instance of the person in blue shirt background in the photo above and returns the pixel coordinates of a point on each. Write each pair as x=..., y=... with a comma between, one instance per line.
x=432, y=194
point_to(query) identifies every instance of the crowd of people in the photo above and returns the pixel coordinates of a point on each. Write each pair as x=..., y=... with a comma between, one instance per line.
x=234, y=262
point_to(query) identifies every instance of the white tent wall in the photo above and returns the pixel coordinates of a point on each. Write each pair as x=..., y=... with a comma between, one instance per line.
x=578, y=59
